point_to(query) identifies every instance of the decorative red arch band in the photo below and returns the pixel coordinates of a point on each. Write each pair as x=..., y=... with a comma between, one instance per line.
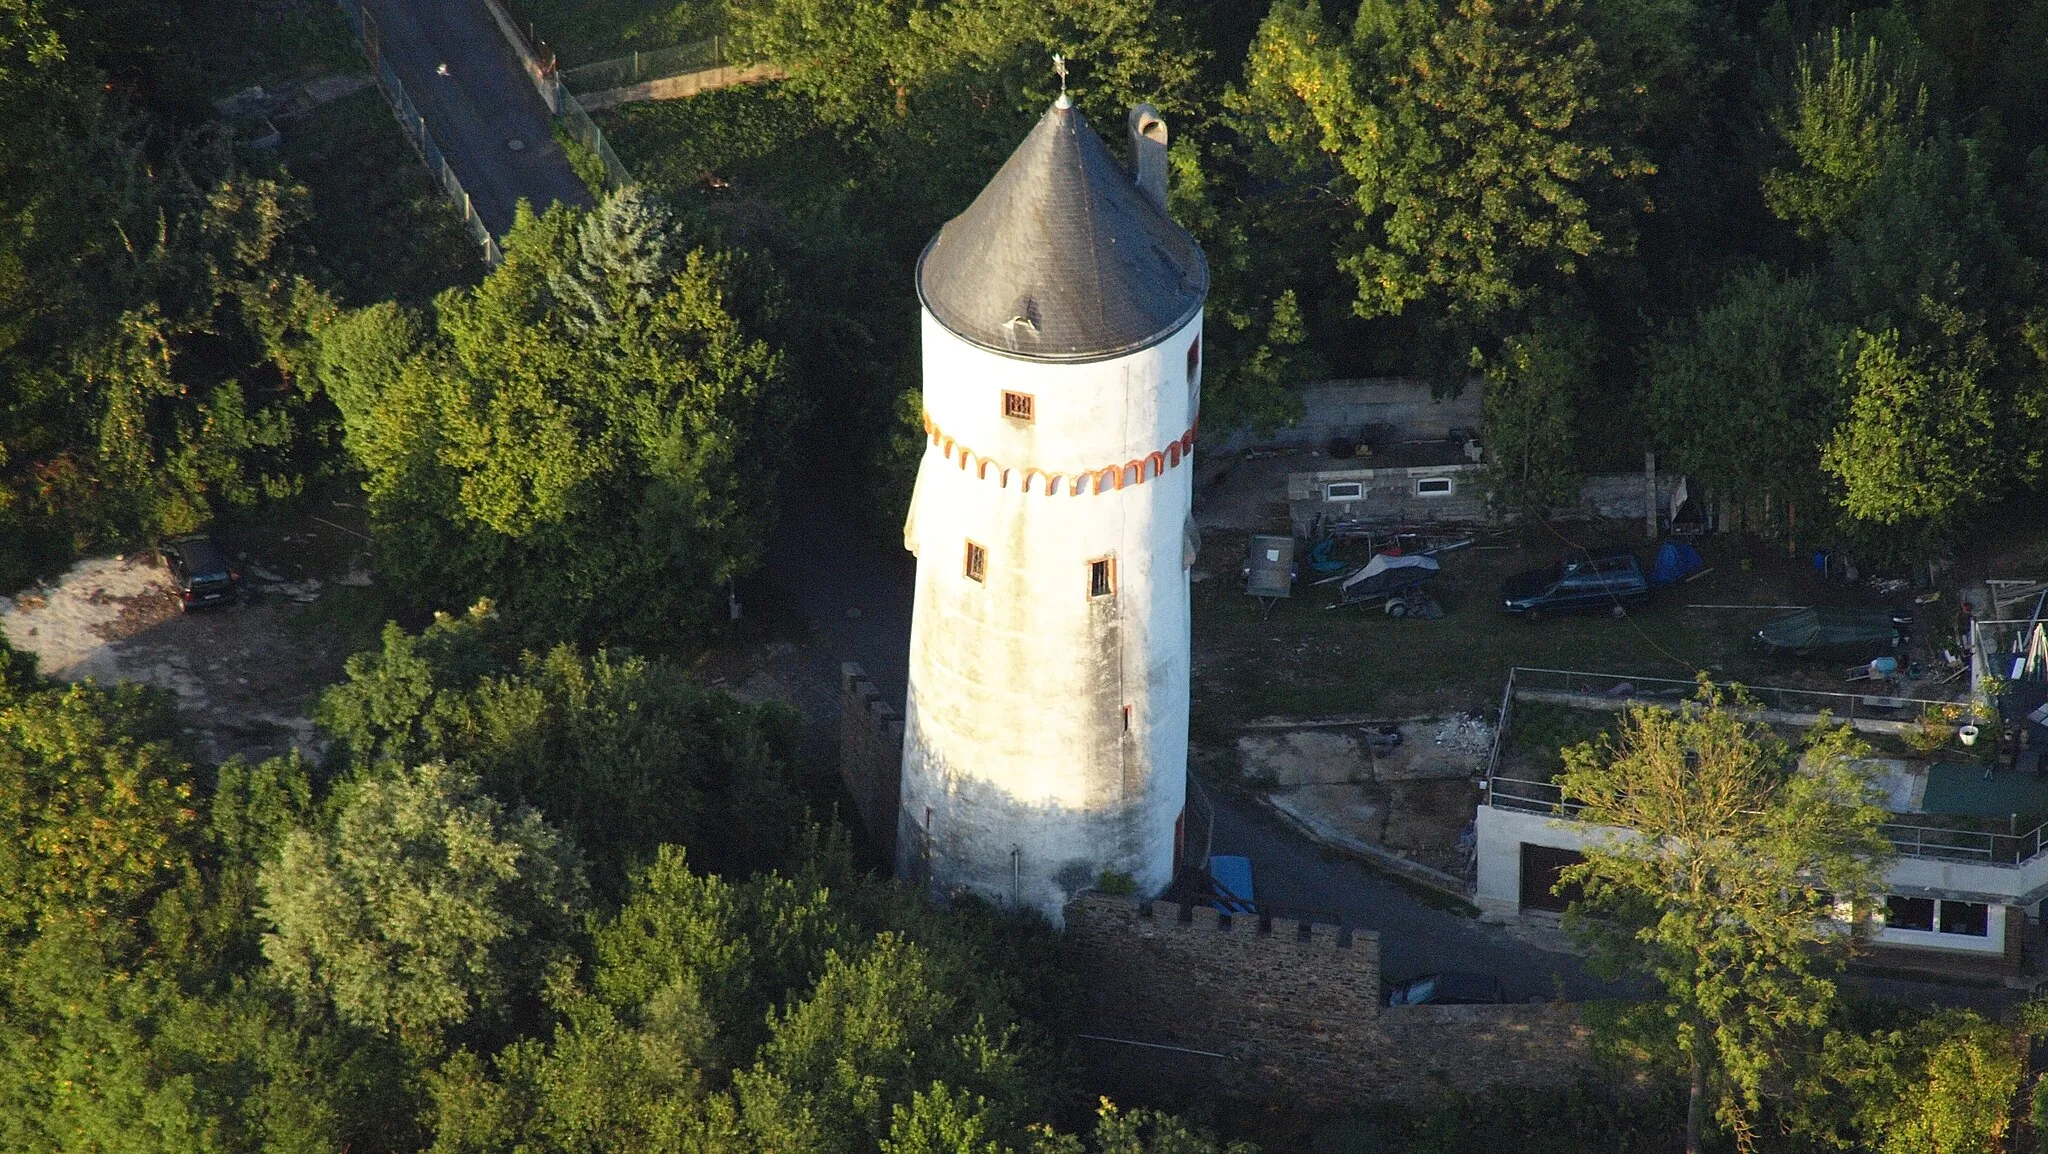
x=1102, y=480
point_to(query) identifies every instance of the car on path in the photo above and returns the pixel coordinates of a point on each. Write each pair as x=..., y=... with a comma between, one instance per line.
x=1449, y=988
x=1607, y=580
x=200, y=572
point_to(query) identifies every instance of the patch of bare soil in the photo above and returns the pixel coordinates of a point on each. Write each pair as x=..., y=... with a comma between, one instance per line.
x=245, y=678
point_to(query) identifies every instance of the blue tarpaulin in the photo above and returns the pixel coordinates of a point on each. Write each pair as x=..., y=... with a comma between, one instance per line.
x=1233, y=877
x=1674, y=561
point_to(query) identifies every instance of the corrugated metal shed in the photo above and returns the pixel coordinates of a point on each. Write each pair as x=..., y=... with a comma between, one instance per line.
x=1062, y=257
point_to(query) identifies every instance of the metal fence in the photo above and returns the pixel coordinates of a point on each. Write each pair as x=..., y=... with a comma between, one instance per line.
x=584, y=131
x=1916, y=841
x=416, y=130
x=659, y=64
x=1844, y=706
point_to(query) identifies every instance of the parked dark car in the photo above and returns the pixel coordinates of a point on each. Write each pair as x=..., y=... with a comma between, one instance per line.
x=1603, y=579
x=1450, y=988
x=200, y=572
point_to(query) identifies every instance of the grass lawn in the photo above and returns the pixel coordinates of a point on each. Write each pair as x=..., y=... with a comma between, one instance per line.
x=1308, y=659
x=586, y=31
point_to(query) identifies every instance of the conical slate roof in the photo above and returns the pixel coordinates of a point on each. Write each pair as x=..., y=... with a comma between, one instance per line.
x=1062, y=257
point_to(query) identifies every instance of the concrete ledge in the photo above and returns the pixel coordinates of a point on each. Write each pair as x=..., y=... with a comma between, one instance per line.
x=678, y=87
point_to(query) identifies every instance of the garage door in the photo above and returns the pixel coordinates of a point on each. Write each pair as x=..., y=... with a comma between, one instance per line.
x=1541, y=865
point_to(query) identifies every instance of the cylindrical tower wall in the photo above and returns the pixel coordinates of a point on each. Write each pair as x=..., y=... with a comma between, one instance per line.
x=1046, y=726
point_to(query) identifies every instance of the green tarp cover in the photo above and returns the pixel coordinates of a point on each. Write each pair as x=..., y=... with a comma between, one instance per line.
x=1827, y=628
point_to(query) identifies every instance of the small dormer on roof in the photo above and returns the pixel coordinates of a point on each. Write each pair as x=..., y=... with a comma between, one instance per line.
x=1067, y=255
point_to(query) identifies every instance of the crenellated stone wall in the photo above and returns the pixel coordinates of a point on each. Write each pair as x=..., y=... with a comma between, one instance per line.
x=1187, y=996
x=870, y=755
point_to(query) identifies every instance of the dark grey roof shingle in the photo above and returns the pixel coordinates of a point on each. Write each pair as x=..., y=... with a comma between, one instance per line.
x=1062, y=257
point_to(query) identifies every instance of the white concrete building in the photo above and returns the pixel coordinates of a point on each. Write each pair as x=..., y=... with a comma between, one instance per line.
x=1045, y=735
x=1953, y=895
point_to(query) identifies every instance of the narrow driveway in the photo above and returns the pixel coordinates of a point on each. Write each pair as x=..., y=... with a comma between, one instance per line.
x=482, y=104
x=1291, y=874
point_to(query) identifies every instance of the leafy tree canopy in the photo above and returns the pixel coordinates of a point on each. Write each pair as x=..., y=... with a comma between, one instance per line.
x=1725, y=889
x=590, y=437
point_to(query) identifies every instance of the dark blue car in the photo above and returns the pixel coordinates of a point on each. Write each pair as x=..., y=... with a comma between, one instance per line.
x=1604, y=580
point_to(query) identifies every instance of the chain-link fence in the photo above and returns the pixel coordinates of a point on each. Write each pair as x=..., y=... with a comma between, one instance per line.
x=640, y=66
x=415, y=127
x=584, y=131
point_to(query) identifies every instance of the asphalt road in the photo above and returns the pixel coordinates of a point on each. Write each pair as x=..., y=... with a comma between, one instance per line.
x=483, y=103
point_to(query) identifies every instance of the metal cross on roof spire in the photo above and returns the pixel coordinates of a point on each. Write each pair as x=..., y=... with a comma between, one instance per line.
x=1059, y=65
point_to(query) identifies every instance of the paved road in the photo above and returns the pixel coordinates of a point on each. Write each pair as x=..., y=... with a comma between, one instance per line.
x=484, y=102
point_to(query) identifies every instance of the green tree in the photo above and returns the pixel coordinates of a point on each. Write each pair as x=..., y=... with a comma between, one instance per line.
x=97, y=793
x=590, y=437
x=621, y=753
x=1464, y=139
x=1854, y=109
x=875, y=1029
x=1915, y=450
x=1944, y=1083
x=1723, y=883
x=1532, y=414
x=1744, y=393
x=427, y=905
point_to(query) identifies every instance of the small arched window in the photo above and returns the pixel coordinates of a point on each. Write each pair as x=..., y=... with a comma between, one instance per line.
x=1195, y=359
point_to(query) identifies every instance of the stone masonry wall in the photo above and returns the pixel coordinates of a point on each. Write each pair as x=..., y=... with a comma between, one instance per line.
x=1275, y=1008
x=870, y=755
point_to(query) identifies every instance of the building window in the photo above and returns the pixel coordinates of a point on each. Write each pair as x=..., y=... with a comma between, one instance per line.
x=1433, y=487
x=1017, y=406
x=1102, y=577
x=977, y=562
x=1970, y=919
x=1909, y=914
x=1194, y=358
x=1344, y=490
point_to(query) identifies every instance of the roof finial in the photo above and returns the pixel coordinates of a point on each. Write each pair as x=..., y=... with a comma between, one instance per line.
x=1059, y=65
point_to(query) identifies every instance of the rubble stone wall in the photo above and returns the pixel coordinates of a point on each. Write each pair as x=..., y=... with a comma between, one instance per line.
x=870, y=754
x=1280, y=1008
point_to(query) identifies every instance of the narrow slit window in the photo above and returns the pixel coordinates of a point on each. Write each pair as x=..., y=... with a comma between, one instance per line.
x=1194, y=359
x=1127, y=719
x=1102, y=577
x=1017, y=406
x=977, y=563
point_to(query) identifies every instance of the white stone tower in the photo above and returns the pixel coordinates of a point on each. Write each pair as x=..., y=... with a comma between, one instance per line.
x=1046, y=733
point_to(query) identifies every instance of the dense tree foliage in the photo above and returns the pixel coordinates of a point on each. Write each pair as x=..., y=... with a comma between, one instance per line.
x=624, y=754
x=157, y=304
x=590, y=437
x=1725, y=890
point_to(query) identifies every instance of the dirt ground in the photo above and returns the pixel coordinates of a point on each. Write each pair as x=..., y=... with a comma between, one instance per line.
x=245, y=674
